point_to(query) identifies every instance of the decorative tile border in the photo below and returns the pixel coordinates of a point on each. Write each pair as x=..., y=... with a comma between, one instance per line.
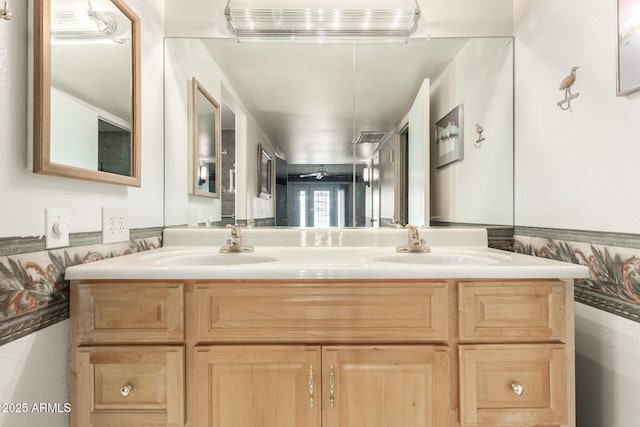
x=33, y=292
x=613, y=260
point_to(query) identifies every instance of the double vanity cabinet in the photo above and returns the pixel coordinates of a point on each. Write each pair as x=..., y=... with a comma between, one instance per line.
x=327, y=351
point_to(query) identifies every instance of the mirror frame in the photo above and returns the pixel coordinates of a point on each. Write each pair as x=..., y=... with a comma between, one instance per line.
x=42, y=102
x=197, y=88
x=264, y=174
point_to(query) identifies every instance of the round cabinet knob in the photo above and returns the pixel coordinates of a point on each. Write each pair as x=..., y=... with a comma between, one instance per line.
x=518, y=389
x=125, y=390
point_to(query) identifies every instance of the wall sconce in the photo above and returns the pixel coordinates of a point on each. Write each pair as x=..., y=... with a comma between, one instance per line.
x=347, y=19
x=5, y=13
x=479, y=130
x=366, y=176
x=202, y=175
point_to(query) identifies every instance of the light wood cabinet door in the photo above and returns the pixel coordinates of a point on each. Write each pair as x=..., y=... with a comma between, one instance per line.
x=514, y=384
x=129, y=386
x=385, y=386
x=250, y=386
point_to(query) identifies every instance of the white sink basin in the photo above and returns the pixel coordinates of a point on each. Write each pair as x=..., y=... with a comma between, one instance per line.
x=214, y=259
x=437, y=259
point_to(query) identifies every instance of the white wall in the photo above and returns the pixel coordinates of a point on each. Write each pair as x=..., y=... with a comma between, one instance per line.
x=36, y=368
x=478, y=189
x=607, y=380
x=579, y=169
x=452, y=18
x=74, y=132
x=418, y=162
x=187, y=58
x=25, y=195
x=574, y=169
x=388, y=159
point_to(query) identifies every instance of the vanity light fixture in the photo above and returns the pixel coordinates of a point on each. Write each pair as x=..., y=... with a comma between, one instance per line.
x=73, y=25
x=322, y=19
x=5, y=13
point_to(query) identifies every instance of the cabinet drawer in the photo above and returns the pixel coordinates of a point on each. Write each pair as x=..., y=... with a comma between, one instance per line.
x=129, y=312
x=129, y=386
x=511, y=311
x=490, y=377
x=322, y=312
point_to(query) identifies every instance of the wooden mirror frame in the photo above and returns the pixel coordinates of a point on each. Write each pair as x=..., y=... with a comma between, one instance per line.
x=264, y=173
x=42, y=102
x=197, y=88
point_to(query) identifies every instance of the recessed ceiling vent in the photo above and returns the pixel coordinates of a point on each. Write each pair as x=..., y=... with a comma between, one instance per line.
x=370, y=137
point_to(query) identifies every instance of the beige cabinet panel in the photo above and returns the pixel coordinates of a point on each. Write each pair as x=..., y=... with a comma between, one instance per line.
x=511, y=311
x=250, y=386
x=513, y=384
x=385, y=386
x=128, y=312
x=406, y=311
x=129, y=386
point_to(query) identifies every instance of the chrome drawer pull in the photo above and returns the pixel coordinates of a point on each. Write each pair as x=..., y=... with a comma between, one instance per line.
x=125, y=390
x=311, y=400
x=332, y=387
x=518, y=389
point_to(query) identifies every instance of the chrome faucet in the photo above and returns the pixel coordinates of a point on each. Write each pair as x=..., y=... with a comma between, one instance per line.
x=234, y=242
x=416, y=243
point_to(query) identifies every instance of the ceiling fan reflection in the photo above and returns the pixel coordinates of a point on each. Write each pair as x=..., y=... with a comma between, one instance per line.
x=318, y=174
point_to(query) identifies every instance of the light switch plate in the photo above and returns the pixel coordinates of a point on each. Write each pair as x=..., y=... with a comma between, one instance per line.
x=115, y=225
x=56, y=227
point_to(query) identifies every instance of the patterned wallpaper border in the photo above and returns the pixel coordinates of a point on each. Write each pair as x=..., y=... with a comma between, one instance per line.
x=613, y=260
x=33, y=292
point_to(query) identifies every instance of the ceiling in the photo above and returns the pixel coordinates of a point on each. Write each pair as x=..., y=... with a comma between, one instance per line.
x=312, y=100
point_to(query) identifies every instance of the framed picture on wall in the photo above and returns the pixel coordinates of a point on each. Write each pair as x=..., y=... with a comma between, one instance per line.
x=628, y=46
x=264, y=173
x=448, y=138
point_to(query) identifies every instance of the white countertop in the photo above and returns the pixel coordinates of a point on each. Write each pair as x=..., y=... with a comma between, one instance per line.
x=325, y=254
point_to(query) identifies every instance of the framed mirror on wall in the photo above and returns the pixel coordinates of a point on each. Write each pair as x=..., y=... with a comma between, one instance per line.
x=206, y=147
x=86, y=90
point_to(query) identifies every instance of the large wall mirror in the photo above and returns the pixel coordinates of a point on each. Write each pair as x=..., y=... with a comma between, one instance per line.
x=352, y=129
x=86, y=103
x=207, y=137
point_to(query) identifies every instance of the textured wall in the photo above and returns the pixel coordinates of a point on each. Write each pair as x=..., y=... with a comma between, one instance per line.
x=577, y=169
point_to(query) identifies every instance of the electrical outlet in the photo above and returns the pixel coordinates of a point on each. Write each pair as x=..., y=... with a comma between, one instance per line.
x=115, y=225
x=56, y=227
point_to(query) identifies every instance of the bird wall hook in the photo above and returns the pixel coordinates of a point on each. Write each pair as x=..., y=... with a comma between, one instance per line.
x=565, y=85
x=478, y=142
